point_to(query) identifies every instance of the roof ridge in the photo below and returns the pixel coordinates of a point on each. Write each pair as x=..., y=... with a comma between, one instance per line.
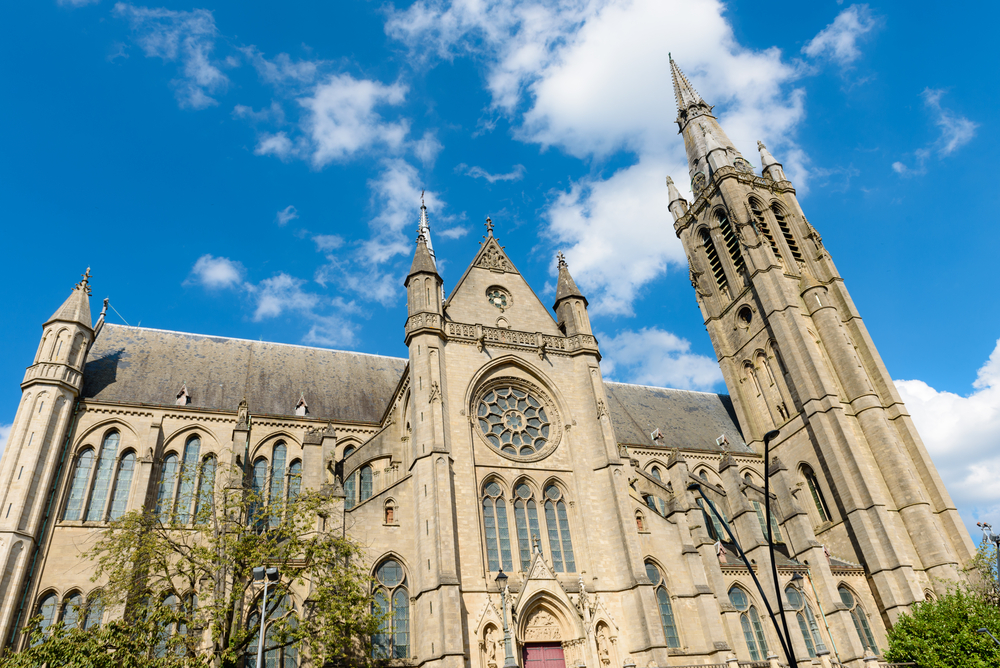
x=670, y=389
x=273, y=343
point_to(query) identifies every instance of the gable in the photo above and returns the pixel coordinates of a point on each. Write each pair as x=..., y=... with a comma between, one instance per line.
x=521, y=308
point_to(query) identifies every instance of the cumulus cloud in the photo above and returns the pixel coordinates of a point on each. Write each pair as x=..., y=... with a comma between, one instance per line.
x=962, y=434
x=216, y=273
x=286, y=214
x=282, y=70
x=515, y=174
x=653, y=356
x=282, y=293
x=328, y=242
x=838, y=41
x=577, y=75
x=341, y=118
x=184, y=37
x=4, y=435
x=955, y=132
x=427, y=148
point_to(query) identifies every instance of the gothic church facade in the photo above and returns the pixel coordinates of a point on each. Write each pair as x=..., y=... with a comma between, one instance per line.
x=497, y=444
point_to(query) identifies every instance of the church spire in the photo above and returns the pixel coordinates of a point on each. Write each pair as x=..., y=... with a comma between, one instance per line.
x=685, y=93
x=424, y=227
x=571, y=305
x=423, y=260
x=566, y=286
x=76, y=308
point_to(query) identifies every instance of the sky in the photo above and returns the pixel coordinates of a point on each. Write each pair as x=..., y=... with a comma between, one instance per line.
x=255, y=170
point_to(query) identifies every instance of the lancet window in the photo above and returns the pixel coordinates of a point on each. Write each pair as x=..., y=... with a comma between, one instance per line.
x=716, y=530
x=391, y=598
x=859, y=617
x=817, y=494
x=807, y=621
x=732, y=242
x=775, y=529
x=497, y=529
x=715, y=263
x=758, y=215
x=103, y=477
x=786, y=232
x=557, y=524
x=526, y=521
x=276, y=654
x=663, y=603
x=753, y=629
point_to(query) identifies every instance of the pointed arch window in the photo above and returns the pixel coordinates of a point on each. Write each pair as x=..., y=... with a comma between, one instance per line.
x=392, y=599
x=258, y=489
x=71, y=609
x=753, y=629
x=786, y=232
x=123, y=485
x=350, y=491
x=206, y=491
x=714, y=263
x=859, y=617
x=95, y=611
x=294, y=480
x=188, y=478
x=732, y=242
x=78, y=488
x=168, y=478
x=775, y=530
x=48, y=606
x=497, y=528
x=276, y=654
x=663, y=603
x=526, y=520
x=758, y=215
x=102, y=477
x=807, y=621
x=817, y=494
x=276, y=496
x=715, y=528
x=557, y=524
x=365, y=483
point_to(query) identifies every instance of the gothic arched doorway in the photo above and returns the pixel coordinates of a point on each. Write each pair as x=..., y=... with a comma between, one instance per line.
x=542, y=645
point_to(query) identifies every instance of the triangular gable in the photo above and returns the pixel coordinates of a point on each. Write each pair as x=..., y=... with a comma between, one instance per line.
x=541, y=590
x=519, y=308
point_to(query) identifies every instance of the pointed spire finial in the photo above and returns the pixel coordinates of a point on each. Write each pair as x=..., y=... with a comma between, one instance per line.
x=562, y=260
x=685, y=93
x=489, y=226
x=424, y=227
x=85, y=283
x=422, y=206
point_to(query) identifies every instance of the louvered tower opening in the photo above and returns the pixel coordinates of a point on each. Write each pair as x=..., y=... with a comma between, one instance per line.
x=758, y=215
x=715, y=262
x=786, y=232
x=732, y=243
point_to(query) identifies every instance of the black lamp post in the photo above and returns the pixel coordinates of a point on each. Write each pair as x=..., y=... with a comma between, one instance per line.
x=508, y=659
x=789, y=652
x=987, y=632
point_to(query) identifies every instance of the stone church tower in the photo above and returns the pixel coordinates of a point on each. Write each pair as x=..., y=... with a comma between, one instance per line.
x=796, y=356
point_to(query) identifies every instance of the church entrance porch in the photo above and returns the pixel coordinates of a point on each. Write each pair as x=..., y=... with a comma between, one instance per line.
x=543, y=655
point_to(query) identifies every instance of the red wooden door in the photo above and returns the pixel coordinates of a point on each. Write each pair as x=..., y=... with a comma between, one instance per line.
x=544, y=655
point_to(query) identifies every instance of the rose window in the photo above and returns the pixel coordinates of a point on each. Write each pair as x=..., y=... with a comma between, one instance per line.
x=514, y=421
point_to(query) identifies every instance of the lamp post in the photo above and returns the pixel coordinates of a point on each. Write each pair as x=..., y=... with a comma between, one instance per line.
x=508, y=659
x=267, y=575
x=987, y=632
x=789, y=652
x=995, y=539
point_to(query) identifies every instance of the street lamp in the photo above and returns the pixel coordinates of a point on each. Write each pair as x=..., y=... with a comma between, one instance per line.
x=987, y=632
x=993, y=538
x=789, y=652
x=508, y=659
x=267, y=575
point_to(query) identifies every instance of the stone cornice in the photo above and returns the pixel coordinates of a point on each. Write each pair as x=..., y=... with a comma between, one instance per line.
x=701, y=202
x=493, y=337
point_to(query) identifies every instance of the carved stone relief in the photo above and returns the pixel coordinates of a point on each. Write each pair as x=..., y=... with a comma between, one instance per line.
x=542, y=626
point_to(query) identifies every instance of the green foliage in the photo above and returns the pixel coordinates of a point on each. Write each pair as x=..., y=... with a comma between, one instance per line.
x=942, y=633
x=185, y=587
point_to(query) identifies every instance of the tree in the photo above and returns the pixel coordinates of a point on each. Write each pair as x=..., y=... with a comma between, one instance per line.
x=942, y=633
x=180, y=576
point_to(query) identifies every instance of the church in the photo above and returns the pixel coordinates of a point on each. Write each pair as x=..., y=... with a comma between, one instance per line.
x=497, y=445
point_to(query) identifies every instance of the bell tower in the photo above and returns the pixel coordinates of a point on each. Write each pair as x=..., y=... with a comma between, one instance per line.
x=797, y=357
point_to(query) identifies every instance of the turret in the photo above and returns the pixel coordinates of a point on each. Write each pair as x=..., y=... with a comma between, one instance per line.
x=769, y=166
x=571, y=305
x=423, y=283
x=66, y=337
x=678, y=206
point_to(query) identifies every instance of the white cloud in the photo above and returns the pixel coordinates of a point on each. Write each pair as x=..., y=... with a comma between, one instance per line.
x=592, y=78
x=839, y=40
x=328, y=242
x=515, y=174
x=278, y=145
x=282, y=293
x=453, y=232
x=76, y=3
x=215, y=273
x=272, y=114
x=962, y=434
x=427, y=148
x=282, y=70
x=956, y=132
x=653, y=356
x=287, y=214
x=341, y=118
x=4, y=435
x=188, y=37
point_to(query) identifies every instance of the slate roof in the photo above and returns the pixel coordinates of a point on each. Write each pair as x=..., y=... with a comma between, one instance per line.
x=688, y=420
x=137, y=365
x=149, y=366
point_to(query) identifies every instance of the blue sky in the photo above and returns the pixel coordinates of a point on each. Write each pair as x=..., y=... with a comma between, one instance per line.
x=254, y=170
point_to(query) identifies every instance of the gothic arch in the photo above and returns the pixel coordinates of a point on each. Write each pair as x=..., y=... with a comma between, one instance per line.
x=176, y=441
x=102, y=428
x=348, y=442
x=522, y=369
x=382, y=558
x=263, y=447
x=541, y=604
x=527, y=480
